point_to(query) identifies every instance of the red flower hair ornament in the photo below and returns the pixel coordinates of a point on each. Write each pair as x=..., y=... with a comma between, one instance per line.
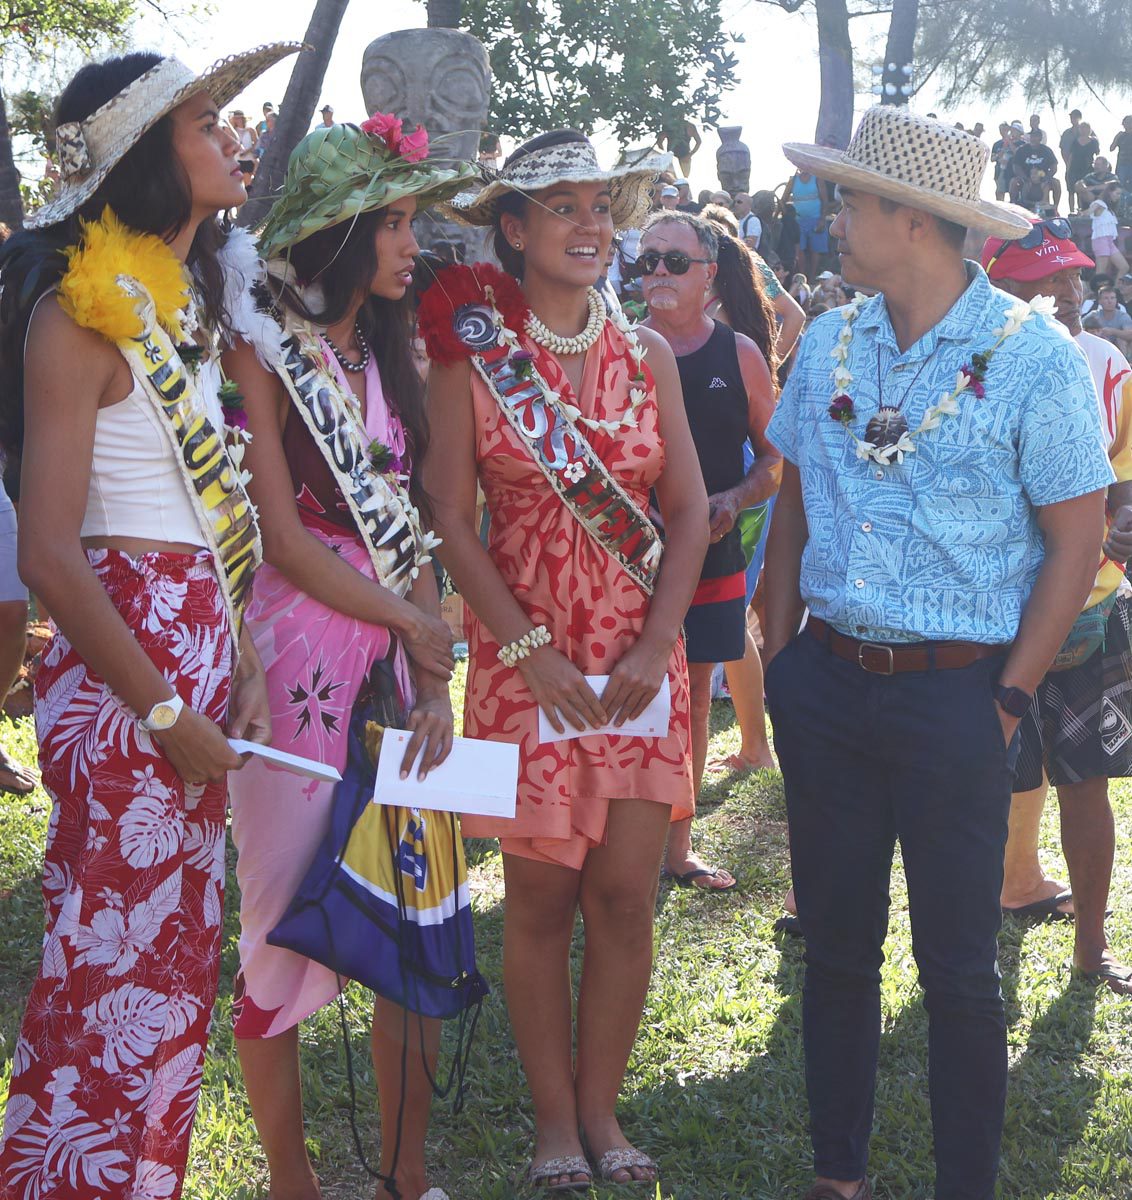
x=412, y=147
x=451, y=302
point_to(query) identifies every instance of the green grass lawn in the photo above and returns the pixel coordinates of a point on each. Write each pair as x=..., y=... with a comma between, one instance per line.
x=715, y=1087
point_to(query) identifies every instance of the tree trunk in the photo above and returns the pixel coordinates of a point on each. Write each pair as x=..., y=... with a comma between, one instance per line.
x=297, y=109
x=835, y=58
x=444, y=14
x=11, y=205
x=900, y=51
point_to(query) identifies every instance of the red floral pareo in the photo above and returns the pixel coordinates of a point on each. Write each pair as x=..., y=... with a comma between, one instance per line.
x=593, y=609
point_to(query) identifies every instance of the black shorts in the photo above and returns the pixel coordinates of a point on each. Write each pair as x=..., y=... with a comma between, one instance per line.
x=1080, y=724
x=715, y=628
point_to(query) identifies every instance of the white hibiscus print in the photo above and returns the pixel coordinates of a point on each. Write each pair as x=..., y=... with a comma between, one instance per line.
x=114, y=940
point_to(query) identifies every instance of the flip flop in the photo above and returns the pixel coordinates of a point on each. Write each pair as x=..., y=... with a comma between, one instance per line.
x=689, y=877
x=622, y=1159
x=551, y=1168
x=1108, y=972
x=789, y=925
x=1048, y=909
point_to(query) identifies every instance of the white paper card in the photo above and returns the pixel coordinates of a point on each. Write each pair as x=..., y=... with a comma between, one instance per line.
x=652, y=723
x=477, y=777
x=289, y=762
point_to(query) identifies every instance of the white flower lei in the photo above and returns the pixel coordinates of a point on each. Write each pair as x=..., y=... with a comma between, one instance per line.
x=637, y=395
x=1015, y=317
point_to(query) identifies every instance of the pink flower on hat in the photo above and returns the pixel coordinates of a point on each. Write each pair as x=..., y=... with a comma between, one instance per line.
x=414, y=146
x=385, y=126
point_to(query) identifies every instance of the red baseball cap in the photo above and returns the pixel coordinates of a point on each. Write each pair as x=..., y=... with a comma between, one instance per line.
x=1045, y=250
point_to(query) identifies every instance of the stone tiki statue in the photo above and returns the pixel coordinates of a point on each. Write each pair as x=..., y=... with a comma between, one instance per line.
x=440, y=79
x=733, y=160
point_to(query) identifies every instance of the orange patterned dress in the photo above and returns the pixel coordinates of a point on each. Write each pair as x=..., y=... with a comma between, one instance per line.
x=593, y=609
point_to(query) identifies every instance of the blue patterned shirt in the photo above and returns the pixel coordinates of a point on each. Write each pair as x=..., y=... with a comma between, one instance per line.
x=945, y=545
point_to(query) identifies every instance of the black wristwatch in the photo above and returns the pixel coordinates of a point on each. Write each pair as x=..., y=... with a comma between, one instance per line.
x=1013, y=701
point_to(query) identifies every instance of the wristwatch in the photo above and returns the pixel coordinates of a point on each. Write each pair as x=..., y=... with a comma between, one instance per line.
x=1012, y=700
x=163, y=715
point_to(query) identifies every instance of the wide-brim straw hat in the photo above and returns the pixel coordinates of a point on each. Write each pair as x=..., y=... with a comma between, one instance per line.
x=915, y=161
x=90, y=149
x=630, y=184
x=340, y=171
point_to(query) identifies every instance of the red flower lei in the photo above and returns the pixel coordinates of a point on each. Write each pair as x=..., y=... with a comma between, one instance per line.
x=455, y=288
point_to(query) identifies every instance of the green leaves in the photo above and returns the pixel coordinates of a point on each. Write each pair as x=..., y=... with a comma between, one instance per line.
x=641, y=66
x=84, y=23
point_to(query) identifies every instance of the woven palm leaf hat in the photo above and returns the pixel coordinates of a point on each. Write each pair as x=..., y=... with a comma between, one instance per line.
x=915, y=161
x=338, y=172
x=630, y=184
x=90, y=149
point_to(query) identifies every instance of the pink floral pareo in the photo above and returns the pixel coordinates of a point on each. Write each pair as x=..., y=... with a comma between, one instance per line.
x=107, y=1068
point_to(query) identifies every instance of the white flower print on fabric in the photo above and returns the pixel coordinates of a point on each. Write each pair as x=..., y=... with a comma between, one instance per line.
x=115, y=940
x=133, y=1019
x=69, y=1146
x=150, y=830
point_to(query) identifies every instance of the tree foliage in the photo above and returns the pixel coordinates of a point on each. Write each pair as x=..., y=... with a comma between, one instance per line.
x=640, y=66
x=82, y=23
x=1052, y=49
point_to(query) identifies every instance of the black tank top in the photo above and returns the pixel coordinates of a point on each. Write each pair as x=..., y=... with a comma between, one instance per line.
x=715, y=399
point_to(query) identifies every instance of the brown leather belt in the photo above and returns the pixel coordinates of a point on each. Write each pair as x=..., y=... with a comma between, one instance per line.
x=892, y=658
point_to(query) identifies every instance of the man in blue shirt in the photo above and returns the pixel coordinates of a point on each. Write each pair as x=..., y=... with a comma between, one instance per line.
x=941, y=517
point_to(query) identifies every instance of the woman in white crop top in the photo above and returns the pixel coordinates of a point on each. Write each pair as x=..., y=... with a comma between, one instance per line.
x=136, y=535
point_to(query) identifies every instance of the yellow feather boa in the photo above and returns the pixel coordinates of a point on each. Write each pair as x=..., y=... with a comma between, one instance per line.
x=90, y=295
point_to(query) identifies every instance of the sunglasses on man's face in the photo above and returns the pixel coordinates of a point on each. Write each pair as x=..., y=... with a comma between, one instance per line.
x=676, y=262
x=1058, y=226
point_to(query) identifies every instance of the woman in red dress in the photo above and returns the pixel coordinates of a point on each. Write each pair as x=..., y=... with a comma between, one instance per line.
x=567, y=418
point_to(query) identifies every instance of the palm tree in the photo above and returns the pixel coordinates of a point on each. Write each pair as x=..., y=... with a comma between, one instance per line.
x=297, y=109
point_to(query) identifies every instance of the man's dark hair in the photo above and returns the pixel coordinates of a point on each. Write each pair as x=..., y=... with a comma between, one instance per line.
x=953, y=234
x=1106, y=287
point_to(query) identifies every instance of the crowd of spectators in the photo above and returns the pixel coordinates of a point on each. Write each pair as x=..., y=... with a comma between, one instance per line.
x=255, y=139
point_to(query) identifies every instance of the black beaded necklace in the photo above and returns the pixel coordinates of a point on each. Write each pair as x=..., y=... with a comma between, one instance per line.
x=354, y=368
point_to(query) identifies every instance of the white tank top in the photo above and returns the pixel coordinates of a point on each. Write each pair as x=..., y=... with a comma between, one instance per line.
x=136, y=486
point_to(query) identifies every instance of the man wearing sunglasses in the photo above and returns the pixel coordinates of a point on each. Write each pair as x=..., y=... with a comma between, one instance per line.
x=1080, y=728
x=942, y=561
x=729, y=396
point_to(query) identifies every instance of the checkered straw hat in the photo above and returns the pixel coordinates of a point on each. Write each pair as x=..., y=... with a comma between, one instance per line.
x=630, y=185
x=918, y=162
x=90, y=149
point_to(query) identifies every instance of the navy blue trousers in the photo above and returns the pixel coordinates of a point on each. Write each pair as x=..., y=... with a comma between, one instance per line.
x=867, y=759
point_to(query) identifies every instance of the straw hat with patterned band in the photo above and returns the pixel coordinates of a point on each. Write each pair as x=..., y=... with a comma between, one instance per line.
x=90, y=149
x=630, y=185
x=918, y=162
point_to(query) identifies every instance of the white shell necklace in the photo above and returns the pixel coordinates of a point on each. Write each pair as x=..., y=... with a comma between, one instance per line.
x=579, y=343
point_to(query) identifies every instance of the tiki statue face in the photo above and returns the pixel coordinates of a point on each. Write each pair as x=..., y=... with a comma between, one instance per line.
x=436, y=77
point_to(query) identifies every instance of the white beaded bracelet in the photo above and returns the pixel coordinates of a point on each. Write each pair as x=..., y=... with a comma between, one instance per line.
x=516, y=651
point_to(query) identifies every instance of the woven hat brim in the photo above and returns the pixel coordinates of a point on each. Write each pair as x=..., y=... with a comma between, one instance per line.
x=224, y=81
x=440, y=186
x=630, y=189
x=986, y=216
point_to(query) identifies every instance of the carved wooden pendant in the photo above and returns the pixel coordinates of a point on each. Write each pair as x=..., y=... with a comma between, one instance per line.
x=886, y=428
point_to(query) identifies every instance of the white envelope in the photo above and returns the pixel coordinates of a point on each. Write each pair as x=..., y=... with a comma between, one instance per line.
x=289, y=762
x=652, y=723
x=477, y=777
